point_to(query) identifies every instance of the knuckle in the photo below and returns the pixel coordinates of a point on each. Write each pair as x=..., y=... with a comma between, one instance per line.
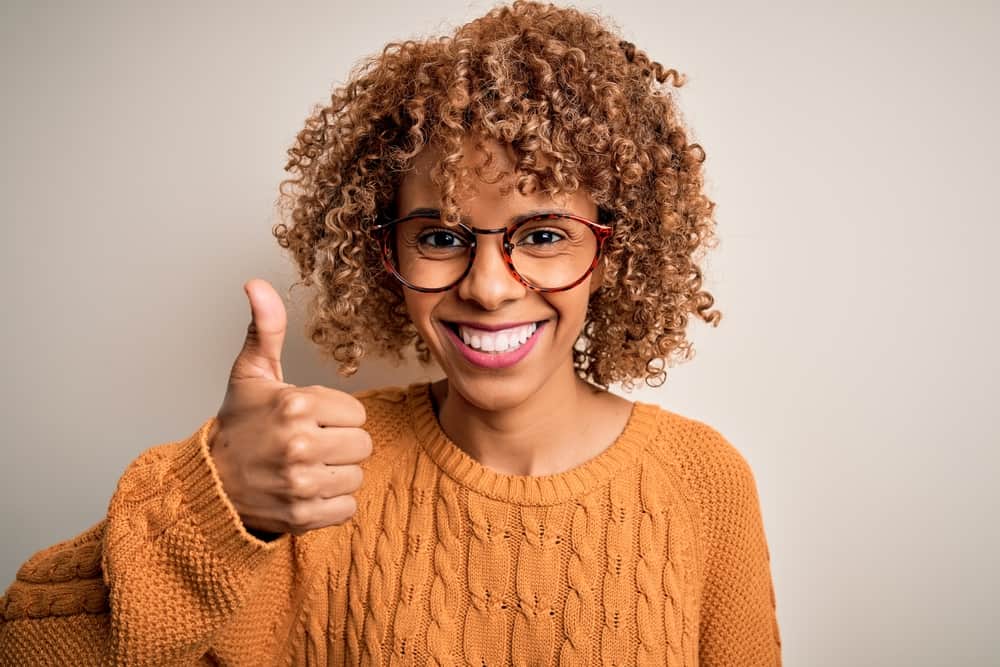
x=292, y=404
x=296, y=449
x=285, y=475
x=298, y=516
x=300, y=485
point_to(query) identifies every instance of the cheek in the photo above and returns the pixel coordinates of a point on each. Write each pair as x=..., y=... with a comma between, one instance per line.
x=419, y=307
x=572, y=307
x=412, y=307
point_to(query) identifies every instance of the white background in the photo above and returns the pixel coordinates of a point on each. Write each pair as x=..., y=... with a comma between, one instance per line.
x=851, y=152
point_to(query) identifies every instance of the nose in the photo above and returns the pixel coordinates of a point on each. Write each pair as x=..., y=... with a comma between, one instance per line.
x=489, y=282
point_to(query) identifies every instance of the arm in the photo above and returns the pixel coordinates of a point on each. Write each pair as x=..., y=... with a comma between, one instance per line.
x=155, y=582
x=739, y=626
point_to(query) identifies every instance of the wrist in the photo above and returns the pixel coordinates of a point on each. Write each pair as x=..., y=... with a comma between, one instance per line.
x=212, y=436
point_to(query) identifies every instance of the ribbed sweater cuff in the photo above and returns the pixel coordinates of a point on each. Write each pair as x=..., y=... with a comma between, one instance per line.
x=211, y=511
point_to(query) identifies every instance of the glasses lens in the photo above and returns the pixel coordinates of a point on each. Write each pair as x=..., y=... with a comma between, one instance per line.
x=552, y=251
x=428, y=254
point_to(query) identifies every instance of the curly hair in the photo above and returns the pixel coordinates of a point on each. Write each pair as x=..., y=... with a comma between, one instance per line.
x=580, y=107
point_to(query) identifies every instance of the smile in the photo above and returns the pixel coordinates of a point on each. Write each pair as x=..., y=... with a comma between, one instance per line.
x=494, y=349
x=496, y=341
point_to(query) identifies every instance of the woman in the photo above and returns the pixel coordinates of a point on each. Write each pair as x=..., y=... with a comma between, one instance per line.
x=520, y=202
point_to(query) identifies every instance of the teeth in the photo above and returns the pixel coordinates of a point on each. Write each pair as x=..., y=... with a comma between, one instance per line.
x=496, y=341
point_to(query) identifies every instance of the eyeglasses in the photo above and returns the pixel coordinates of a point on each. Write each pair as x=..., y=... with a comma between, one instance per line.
x=549, y=252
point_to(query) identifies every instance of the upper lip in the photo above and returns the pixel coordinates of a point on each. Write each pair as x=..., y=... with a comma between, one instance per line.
x=491, y=327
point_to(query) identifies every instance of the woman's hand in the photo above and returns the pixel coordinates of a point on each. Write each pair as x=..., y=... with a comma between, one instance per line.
x=288, y=456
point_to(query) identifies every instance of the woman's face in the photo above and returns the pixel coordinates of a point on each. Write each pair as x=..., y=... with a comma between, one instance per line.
x=490, y=297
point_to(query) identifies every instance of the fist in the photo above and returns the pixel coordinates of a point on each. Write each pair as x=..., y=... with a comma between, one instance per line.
x=289, y=457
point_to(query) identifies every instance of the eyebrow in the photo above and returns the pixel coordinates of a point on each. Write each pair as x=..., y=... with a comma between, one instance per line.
x=436, y=213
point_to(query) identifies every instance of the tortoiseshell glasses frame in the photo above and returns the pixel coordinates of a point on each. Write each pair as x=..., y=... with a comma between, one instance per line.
x=601, y=231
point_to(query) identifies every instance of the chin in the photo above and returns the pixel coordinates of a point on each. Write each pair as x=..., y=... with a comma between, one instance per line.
x=492, y=393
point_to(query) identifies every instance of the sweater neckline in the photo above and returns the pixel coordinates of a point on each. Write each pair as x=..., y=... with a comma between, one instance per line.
x=527, y=489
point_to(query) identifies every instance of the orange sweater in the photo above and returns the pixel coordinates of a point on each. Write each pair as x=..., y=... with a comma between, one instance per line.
x=651, y=553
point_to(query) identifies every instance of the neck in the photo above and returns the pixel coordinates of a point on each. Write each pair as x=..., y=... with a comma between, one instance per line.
x=543, y=435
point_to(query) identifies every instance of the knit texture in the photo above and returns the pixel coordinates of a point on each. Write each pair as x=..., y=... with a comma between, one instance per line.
x=651, y=553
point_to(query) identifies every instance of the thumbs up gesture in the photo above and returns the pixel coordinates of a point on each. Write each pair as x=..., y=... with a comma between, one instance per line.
x=288, y=456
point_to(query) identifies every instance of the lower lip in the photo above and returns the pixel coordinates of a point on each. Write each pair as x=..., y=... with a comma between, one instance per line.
x=494, y=360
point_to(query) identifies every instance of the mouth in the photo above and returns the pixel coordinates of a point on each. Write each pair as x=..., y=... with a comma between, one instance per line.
x=494, y=349
x=493, y=341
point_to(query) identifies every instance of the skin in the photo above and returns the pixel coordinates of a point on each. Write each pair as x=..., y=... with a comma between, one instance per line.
x=536, y=417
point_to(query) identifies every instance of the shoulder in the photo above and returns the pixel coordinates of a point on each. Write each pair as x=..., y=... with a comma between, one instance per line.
x=696, y=451
x=385, y=408
x=387, y=421
x=62, y=580
x=713, y=475
x=383, y=397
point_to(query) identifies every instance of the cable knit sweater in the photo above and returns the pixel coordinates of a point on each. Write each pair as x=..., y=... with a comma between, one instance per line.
x=651, y=553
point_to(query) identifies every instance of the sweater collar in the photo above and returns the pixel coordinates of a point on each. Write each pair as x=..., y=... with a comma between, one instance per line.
x=523, y=489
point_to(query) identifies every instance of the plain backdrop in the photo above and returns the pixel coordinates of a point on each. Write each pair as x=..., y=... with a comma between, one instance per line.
x=852, y=155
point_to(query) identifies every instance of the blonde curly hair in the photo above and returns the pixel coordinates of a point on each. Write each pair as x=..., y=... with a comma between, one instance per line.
x=580, y=107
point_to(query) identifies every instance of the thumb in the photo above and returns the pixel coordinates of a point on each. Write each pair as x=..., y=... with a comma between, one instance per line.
x=261, y=353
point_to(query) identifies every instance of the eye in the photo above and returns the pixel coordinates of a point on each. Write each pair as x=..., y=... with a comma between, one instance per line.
x=440, y=238
x=542, y=237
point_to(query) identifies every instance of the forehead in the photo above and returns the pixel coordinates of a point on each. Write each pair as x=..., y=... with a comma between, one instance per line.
x=417, y=187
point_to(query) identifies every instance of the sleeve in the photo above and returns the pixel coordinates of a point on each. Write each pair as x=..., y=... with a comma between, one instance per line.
x=739, y=626
x=157, y=581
